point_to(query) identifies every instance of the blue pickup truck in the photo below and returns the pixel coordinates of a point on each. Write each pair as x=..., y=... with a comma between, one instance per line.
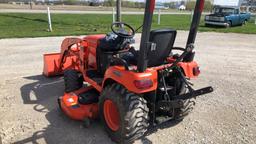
x=227, y=16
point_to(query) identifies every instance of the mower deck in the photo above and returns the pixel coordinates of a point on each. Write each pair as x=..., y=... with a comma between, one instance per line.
x=81, y=104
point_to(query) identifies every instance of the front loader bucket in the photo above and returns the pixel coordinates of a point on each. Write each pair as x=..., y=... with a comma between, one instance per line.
x=52, y=64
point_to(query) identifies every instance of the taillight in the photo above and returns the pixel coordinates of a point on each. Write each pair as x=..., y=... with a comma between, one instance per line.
x=196, y=71
x=143, y=84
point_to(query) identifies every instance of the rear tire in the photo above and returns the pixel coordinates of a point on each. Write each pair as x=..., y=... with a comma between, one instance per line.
x=181, y=88
x=187, y=107
x=132, y=115
x=73, y=81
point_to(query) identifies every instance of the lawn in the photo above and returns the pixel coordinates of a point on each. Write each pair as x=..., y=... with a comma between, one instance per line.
x=34, y=25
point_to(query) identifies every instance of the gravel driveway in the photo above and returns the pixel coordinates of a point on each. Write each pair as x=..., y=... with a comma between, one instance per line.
x=29, y=113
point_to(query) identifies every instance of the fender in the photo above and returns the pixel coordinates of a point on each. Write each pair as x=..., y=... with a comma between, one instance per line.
x=190, y=69
x=127, y=78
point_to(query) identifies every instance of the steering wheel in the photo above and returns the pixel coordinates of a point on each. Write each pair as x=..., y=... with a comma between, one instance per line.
x=121, y=31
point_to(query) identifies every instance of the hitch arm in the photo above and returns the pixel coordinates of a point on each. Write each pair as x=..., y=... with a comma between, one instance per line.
x=194, y=93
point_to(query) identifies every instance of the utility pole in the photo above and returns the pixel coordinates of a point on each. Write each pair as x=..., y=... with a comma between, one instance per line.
x=113, y=13
x=118, y=10
x=30, y=3
x=159, y=17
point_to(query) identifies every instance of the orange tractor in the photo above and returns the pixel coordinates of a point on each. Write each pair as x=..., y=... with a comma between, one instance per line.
x=130, y=90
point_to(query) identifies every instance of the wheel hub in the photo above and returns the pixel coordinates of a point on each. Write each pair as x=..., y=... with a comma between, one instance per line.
x=111, y=115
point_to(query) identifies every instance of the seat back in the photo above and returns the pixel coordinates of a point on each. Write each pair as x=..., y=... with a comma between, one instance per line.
x=103, y=60
x=164, y=40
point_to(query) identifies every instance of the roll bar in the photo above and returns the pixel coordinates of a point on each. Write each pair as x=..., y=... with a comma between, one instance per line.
x=193, y=28
x=145, y=44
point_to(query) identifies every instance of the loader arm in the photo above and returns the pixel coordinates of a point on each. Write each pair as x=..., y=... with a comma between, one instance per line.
x=66, y=45
x=68, y=58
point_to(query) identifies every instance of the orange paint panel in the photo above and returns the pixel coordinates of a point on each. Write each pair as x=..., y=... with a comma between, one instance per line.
x=188, y=68
x=51, y=64
x=69, y=104
x=92, y=61
x=92, y=42
x=52, y=67
x=127, y=78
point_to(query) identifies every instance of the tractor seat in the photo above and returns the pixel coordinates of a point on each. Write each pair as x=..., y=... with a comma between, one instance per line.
x=164, y=40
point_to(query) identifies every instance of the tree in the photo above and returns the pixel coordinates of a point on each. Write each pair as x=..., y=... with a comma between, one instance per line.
x=191, y=5
x=70, y=2
x=109, y=3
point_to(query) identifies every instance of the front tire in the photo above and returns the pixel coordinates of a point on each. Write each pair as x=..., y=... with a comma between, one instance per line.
x=244, y=22
x=124, y=114
x=229, y=24
x=73, y=81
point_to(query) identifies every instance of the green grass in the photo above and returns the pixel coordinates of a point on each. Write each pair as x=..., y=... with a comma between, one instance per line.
x=34, y=25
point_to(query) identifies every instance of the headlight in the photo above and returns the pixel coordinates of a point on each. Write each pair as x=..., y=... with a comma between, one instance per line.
x=222, y=19
x=207, y=17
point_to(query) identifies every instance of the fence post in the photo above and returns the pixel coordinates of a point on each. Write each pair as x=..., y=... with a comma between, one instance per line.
x=255, y=19
x=113, y=13
x=49, y=19
x=159, y=17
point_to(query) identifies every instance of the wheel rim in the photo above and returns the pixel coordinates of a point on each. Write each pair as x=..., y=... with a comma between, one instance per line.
x=111, y=115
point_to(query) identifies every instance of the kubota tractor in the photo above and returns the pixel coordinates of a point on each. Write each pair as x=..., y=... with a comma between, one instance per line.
x=128, y=89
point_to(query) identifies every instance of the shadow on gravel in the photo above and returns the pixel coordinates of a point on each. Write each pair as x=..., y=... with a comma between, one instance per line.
x=43, y=93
